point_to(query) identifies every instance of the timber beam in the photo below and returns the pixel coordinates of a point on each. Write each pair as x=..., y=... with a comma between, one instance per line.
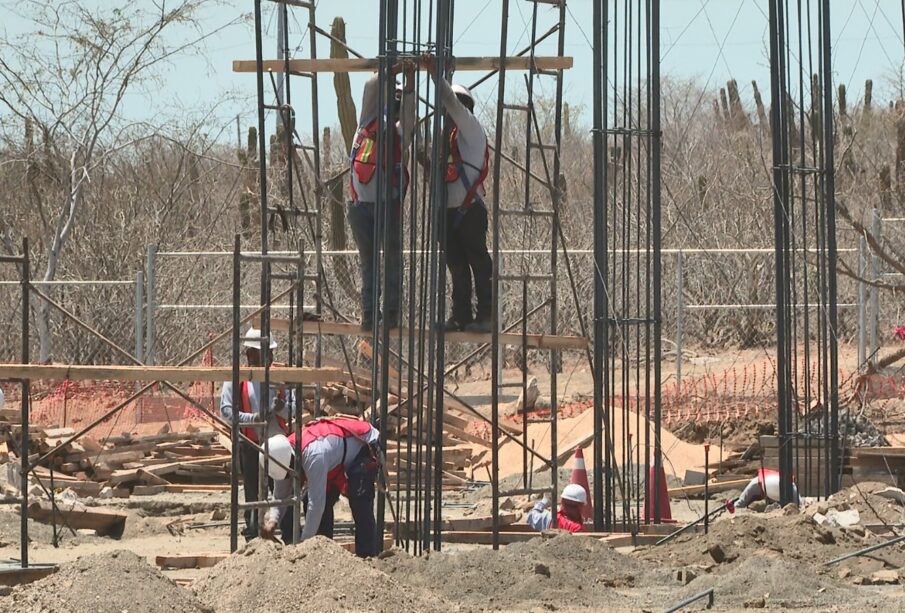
x=461, y=64
x=535, y=341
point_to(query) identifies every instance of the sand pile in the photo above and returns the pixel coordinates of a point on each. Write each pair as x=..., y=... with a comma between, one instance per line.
x=316, y=575
x=866, y=499
x=563, y=571
x=774, y=582
x=796, y=538
x=678, y=455
x=115, y=582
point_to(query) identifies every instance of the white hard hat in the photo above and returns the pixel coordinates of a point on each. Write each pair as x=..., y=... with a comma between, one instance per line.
x=279, y=449
x=461, y=90
x=255, y=333
x=575, y=493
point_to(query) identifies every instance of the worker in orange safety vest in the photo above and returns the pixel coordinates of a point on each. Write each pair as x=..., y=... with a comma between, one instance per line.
x=248, y=403
x=367, y=211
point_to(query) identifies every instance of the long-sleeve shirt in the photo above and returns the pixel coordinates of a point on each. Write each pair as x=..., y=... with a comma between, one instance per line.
x=318, y=459
x=405, y=131
x=540, y=518
x=472, y=141
x=286, y=409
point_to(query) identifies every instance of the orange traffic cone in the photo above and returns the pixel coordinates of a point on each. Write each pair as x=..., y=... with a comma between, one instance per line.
x=580, y=477
x=663, y=498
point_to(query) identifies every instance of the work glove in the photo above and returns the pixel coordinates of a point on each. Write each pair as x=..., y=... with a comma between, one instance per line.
x=268, y=530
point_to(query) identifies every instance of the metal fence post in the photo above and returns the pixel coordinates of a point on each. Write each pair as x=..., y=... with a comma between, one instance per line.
x=151, y=298
x=875, y=229
x=139, y=320
x=862, y=307
x=680, y=308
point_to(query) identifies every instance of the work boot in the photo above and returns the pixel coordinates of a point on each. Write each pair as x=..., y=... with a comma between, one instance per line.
x=482, y=324
x=453, y=325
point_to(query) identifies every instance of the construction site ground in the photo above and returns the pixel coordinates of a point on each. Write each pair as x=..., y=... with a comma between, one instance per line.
x=757, y=558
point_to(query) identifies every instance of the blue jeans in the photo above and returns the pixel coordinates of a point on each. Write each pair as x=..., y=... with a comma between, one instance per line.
x=361, y=476
x=363, y=222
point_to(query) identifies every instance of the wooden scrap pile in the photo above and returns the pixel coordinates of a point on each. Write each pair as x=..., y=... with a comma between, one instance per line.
x=171, y=461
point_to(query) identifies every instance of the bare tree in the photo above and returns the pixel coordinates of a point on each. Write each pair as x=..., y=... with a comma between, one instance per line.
x=66, y=79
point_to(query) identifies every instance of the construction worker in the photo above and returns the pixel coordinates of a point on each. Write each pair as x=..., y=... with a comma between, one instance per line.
x=282, y=403
x=466, y=216
x=764, y=486
x=338, y=456
x=569, y=517
x=365, y=213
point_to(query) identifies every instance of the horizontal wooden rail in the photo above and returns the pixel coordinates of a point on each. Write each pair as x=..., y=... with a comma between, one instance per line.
x=461, y=64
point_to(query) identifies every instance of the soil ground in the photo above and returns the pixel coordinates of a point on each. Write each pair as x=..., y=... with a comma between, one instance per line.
x=751, y=559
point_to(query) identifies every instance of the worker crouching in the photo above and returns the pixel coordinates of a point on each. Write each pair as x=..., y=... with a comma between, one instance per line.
x=338, y=456
x=765, y=486
x=569, y=517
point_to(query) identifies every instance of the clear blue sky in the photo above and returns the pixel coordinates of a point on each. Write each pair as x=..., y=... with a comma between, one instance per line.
x=707, y=40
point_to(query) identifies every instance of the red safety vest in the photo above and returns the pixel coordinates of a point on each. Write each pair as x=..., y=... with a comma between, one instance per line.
x=364, y=158
x=343, y=427
x=564, y=523
x=245, y=407
x=455, y=168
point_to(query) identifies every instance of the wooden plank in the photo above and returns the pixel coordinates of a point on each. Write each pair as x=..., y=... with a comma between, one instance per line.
x=696, y=490
x=506, y=538
x=462, y=64
x=537, y=341
x=464, y=436
x=189, y=374
x=128, y=439
x=13, y=574
x=881, y=452
x=104, y=522
x=194, y=560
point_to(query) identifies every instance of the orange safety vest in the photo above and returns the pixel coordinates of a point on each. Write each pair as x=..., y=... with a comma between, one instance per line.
x=364, y=158
x=343, y=427
x=245, y=407
x=455, y=169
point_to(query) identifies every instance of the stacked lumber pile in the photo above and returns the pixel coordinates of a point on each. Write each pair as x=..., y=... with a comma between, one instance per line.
x=170, y=461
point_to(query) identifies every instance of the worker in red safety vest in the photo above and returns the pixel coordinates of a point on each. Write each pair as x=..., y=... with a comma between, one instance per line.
x=569, y=517
x=366, y=212
x=338, y=456
x=466, y=213
x=248, y=401
x=764, y=486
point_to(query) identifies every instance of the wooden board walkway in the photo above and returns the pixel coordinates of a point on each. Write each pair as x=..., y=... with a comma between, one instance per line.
x=462, y=64
x=535, y=341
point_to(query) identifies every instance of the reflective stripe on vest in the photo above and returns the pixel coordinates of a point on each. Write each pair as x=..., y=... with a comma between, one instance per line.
x=364, y=158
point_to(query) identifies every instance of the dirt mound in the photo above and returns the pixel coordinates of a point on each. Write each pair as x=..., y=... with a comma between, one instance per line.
x=563, y=571
x=317, y=574
x=864, y=497
x=114, y=582
x=775, y=582
x=796, y=538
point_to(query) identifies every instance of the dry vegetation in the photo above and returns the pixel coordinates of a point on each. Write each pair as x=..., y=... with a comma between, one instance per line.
x=180, y=186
